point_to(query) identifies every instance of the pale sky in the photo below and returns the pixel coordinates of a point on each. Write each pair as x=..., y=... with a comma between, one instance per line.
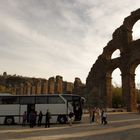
x=45, y=38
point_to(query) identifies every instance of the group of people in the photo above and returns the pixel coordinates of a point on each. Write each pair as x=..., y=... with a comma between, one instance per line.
x=31, y=118
x=97, y=115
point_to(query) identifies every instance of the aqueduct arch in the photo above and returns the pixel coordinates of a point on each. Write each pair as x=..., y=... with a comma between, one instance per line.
x=98, y=82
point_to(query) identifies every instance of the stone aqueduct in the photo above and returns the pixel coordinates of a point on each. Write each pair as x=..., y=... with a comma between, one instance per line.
x=99, y=79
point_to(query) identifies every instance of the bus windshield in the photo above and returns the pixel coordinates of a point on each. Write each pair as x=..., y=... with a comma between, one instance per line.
x=77, y=103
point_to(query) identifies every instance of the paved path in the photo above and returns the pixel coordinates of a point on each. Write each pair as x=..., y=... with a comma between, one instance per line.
x=124, y=126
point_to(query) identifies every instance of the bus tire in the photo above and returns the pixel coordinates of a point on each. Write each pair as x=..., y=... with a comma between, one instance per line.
x=9, y=120
x=62, y=119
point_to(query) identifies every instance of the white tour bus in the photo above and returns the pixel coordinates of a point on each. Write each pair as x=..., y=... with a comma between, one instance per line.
x=12, y=107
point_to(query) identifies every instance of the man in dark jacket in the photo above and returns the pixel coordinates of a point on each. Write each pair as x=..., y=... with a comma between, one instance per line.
x=40, y=116
x=47, y=120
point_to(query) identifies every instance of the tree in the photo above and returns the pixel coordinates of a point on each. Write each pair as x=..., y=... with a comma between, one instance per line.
x=117, y=97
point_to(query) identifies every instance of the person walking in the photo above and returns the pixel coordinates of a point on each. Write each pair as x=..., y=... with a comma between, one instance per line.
x=104, y=117
x=47, y=119
x=40, y=116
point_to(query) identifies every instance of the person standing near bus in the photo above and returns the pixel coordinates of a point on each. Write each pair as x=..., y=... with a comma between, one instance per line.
x=47, y=119
x=98, y=116
x=90, y=115
x=31, y=119
x=93, y=115
x=40, y=115
x=24, y=118
x=71, y=118
x=35, y=117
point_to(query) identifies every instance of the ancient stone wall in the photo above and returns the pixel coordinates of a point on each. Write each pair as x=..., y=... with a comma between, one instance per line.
x=19, y=85
x=51, y=85
x=59, y=85
x=44, y=87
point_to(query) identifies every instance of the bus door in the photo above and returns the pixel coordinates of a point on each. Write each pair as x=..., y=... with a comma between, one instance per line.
x=30, y=108
x=77, y=110
x=73, y=106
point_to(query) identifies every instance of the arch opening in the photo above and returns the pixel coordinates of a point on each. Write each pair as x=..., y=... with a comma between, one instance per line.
x=136, y=30
x=115, y=54
x=137, y=83
x=117, y=99
x=135, y=86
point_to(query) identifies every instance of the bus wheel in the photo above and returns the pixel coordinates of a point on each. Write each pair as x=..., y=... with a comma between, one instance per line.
x=9, y=120
x=62, y=119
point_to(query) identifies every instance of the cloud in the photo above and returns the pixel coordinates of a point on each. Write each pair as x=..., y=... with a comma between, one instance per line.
x=43, y=38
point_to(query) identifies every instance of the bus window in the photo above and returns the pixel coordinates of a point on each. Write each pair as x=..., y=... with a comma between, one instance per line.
x=67, y=97
x=56, y=99
x=27, y=100
x=9, y=100
x=76, y=98
x=41, y=100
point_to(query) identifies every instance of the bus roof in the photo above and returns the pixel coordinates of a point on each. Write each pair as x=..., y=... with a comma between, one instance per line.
x=9, y=94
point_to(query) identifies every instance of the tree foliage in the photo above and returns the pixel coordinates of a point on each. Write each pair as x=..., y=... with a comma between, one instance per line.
x=117, y=100
x=117, y=97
